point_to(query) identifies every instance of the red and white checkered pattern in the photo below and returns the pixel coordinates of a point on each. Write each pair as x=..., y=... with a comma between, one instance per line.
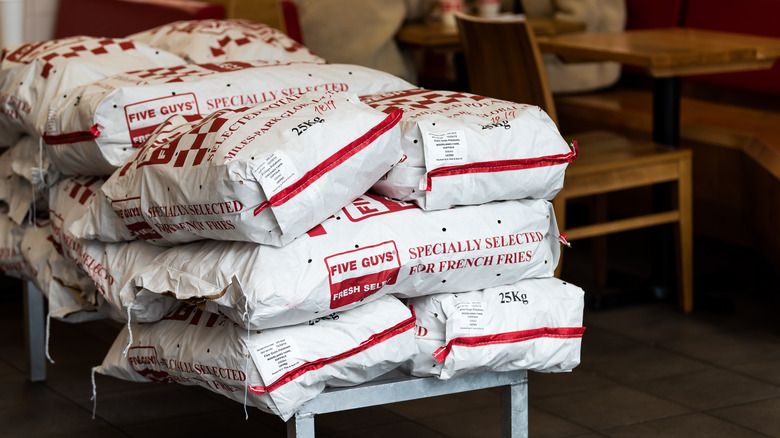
x=82, y=190
x=176, y=73
x=190, y=72
x=219, y=40
x=419, y=98
x=195, y=139
x=28, y=52
x=77, y=47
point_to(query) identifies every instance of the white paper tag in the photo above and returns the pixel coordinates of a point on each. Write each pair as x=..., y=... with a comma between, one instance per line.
x=472, y=315
x=444, y=149
x=276, y=358
x=276, y=172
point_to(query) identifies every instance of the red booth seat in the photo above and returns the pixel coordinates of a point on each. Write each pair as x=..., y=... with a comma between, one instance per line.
x=119, y=18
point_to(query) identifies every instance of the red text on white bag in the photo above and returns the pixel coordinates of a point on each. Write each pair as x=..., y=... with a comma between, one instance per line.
x=370, y=205
x=357, y=274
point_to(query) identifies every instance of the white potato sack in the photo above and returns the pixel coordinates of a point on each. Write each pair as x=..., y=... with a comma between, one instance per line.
x=111, y=266
x=465, y=149
x=65, y=294
x=124, y=109
x=69, y=200
x=278, y=370
x=216, y=40
x=100, y=222
x=533, y=324
x=264, y=174
x=373, y=247
x=34, y=75
x=11, y=259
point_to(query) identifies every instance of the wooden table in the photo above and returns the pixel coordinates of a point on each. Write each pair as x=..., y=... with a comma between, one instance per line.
x=667, y=54
x=436, y=35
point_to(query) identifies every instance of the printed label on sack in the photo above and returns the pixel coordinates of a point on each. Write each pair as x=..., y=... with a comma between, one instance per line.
x=276, y=358
x=129, y=210
x=144, y=361
x=275, y=172
x=444, y=149
x=370, y=205
x=143, y=117
x=472, y=315
x=357, y=274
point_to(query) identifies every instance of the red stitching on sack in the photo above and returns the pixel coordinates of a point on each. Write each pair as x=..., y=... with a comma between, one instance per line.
x=503, y=165
x=377, y=338
x=334, y=160
x=508, y=338
x=73, y=137
x=126, y=199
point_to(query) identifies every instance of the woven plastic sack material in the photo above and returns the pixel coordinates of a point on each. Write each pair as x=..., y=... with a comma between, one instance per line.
x=278, y=370
x=95, y=130
x=35, y=75
x=11, y=259
x=201, y=41
x=16, y=192
x=68, y=201
x=266, y=174
x=534, y=324
x=100, y=222
x=465, y=149
x=371, y=248
x=111, y=266
x=64, y=292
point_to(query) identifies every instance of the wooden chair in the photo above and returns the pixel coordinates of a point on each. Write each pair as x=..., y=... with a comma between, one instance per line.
x=503, y=61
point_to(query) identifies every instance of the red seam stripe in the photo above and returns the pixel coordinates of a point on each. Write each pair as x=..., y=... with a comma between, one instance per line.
x=374, y=339
x=508, y=338
x=73, y=137
x=126, y=199
x=334, y=160
x=503, y=165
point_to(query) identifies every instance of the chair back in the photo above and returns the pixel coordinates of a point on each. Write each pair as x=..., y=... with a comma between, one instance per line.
x=503, y=61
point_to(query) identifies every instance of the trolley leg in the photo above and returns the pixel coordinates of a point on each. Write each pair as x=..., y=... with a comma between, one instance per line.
x=34, y=328
x=301, y=426
x=514, y=411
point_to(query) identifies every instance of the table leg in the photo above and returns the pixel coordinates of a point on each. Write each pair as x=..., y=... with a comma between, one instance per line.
x=666, y=111
x=301, y=426
x=514, y=410
x=34, y=330
x=666, y=130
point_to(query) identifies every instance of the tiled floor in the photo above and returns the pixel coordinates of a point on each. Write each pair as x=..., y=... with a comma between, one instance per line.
x=647, y=371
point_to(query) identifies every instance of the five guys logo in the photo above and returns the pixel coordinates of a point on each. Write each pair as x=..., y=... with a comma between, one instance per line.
x=360, y=273
x=370, y=205
x=144, y=361
x=144, y=117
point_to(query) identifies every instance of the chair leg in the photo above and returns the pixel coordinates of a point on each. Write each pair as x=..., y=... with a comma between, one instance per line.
x=559, y=206
x=685, y=207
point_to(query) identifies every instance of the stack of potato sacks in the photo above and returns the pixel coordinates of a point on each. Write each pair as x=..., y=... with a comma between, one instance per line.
x=267, y=224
